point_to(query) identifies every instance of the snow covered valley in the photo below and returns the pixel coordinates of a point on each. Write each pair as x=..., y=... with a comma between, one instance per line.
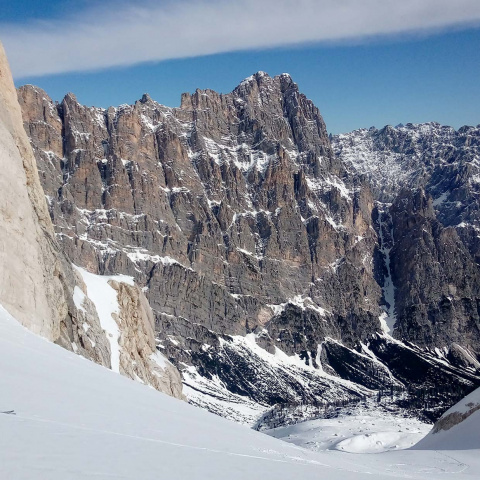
x=363, y=428
x=77, y=420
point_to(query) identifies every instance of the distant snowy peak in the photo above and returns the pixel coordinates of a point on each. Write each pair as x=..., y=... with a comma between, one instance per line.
x=406, y=155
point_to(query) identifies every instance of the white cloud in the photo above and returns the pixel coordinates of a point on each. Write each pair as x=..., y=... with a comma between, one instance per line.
x=129, y=34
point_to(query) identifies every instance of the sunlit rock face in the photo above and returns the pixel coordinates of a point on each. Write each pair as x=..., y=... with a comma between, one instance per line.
x=38, y=284
x=32, y=283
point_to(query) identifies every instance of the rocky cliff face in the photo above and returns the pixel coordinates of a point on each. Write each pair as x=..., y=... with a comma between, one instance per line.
x=38, y=285
x=274, y=263
x=31, y=276
x=425, y=182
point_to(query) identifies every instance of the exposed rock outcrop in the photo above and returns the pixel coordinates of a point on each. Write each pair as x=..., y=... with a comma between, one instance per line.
x=38, y=285
x=139, y=357
x=458, y=428
x=31, y=272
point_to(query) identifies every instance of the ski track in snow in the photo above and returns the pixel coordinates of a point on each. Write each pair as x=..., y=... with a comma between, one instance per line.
x=286, y=459
x=180, y=445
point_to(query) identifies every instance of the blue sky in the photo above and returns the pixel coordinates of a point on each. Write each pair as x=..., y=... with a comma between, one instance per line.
x=413, y=71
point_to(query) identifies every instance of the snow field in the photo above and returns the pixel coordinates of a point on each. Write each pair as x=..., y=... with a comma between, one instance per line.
x=358, y=429
x=79, y=421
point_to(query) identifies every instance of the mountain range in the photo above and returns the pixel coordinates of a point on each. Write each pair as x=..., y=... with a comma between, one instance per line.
x=275, y=264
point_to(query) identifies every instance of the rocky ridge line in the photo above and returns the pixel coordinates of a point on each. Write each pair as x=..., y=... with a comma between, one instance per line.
x=262, y=253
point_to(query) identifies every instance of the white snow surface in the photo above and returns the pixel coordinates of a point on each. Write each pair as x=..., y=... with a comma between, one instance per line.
x=104, y=297
x=358, y=429
x=78, y=298
x=465, y=435
x=76, y=420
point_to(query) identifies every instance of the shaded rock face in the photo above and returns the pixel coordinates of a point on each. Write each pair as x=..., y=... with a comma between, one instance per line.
x=85, y=334
x=438, y=282
x=425, y=180
x=236, y=217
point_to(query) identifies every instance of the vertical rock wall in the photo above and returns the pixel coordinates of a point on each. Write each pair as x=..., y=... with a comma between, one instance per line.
x=38, y=285
x=30, y=271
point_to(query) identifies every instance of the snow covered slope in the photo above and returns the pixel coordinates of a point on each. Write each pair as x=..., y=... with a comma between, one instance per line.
x=458, y=428
x=76, y=420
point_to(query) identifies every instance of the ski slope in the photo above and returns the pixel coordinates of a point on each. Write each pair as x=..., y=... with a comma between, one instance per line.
x=77, y=420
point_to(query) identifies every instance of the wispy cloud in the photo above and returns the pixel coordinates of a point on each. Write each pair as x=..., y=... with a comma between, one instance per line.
x=148, y=32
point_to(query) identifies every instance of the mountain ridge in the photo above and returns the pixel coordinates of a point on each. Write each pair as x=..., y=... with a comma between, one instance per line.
x=237, y=218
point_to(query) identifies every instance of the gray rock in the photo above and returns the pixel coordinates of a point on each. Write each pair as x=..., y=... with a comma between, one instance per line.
x=237, y=218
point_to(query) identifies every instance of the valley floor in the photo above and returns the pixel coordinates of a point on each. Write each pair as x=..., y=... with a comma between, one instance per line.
x=364, y=428
x=76, y=420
